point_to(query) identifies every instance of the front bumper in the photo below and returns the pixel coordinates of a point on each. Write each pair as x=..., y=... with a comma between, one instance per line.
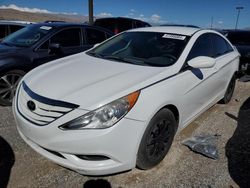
x=119, y=144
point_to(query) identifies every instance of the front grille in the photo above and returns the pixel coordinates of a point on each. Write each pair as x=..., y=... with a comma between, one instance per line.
x=45, y=111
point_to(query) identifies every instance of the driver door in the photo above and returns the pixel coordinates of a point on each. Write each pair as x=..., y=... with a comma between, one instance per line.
x=198, y=85
x=70, y=41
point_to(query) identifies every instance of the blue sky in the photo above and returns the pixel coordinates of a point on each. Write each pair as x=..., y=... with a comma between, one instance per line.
x=197, y=12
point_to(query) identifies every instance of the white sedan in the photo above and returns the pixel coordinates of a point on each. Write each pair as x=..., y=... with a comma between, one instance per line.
x=120, y=104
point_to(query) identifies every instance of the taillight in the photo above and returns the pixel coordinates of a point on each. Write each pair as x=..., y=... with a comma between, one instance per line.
x=116, y=30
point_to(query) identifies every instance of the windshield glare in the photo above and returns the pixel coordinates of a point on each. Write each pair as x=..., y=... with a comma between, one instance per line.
x=143, y=48
x=27, y=36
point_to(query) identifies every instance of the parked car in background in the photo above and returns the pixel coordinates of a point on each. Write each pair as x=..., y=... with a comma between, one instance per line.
x=40, y=43
x=8, y=27
x=120, y=104
x=119, y=24
x=241, y=40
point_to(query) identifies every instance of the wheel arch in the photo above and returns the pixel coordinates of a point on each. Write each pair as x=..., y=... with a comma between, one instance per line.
x=174, y=110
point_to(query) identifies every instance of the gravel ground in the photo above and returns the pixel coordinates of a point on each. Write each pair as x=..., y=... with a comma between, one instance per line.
x=20, y=166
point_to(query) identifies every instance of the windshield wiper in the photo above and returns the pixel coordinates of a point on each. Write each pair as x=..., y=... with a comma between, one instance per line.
x=154, y=64
x=122, y=59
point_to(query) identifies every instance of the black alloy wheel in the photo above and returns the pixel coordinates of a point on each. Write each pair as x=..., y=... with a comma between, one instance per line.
x=8, y=85
x=157, y=139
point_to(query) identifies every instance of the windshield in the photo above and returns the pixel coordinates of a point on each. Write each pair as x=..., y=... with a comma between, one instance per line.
x=143, y=48
x=27, y=36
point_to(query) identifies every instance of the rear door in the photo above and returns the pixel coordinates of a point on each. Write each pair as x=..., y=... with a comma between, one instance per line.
x=225, y=65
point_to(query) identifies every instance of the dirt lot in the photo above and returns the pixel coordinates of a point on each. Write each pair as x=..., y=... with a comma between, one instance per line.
x=20, y=166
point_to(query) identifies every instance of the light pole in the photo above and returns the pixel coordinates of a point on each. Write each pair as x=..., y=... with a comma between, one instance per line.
x=91, y=19
x=238, y=15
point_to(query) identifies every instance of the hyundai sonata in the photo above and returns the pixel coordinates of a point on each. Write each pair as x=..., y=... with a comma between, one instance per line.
x=120, y=104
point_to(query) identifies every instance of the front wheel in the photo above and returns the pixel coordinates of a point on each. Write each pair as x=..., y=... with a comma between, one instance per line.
x=8, y=86
x=157, y=139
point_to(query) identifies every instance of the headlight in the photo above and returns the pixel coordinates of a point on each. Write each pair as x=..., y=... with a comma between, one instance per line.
x=105, y=116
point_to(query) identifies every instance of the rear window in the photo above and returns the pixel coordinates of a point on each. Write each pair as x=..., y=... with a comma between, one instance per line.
x=106, y=23
x=116, y=25
x=124, y=24
x=3, y=31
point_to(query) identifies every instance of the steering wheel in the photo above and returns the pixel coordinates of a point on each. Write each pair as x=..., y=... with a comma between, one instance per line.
x=171, y=57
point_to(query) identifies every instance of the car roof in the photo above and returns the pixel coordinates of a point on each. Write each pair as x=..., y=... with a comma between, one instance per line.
x=119, y=18
x=181, y=25
x=169, y=29
x=68, y=24
x=15, y=22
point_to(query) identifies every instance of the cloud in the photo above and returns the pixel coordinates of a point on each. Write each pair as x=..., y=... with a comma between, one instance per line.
x=219, y=24
x=33, y=10
x=104, y=14
x=25, y=9
x=155, y=18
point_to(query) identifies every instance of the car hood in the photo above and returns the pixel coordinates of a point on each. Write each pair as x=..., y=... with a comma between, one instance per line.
x=91, y=82
x=6, y=50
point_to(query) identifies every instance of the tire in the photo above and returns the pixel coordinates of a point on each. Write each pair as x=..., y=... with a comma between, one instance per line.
x=157, y=139
x=229, y=92
x=8, y=85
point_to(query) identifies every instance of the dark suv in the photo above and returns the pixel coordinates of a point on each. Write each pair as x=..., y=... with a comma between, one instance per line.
x=8, y=27
x=40, y=43
x=119, y=24
x=241, y=40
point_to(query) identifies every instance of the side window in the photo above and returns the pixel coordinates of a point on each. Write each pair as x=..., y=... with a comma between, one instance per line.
x=94, y=36
x=14, y=28
x=220, y=46
x=44, y=46
x=68, y=37
x=2, y=31
x=202, y=47
x=229, y=47
x=139, y=24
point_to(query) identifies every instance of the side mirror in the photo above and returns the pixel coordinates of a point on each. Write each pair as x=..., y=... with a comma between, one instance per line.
x=202, y=62
x=54, y=48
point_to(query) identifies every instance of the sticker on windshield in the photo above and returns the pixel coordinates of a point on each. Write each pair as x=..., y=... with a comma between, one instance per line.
x=172, y=36
x=45, y=27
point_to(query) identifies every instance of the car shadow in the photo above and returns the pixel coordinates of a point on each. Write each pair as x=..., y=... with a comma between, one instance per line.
x=238, y=148
x=99, y=183
x=7, y=160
